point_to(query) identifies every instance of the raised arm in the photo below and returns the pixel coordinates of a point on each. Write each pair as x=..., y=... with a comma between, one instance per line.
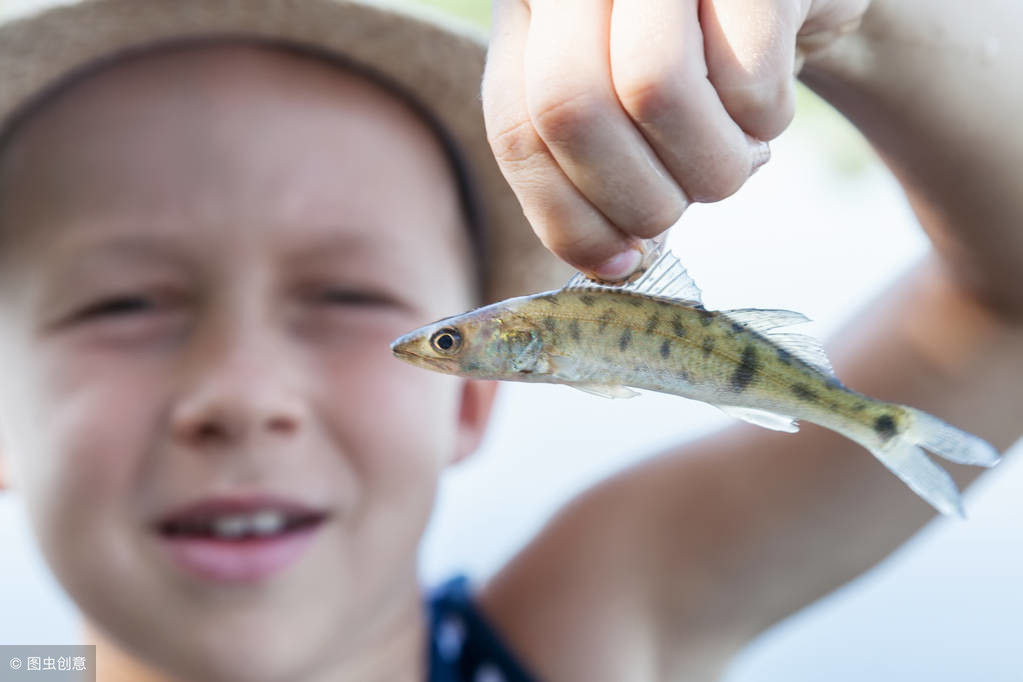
x=676, y=563
x=935, y=85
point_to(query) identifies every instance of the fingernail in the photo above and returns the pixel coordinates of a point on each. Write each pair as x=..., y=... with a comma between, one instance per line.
x=761, y=153
x=619, y=266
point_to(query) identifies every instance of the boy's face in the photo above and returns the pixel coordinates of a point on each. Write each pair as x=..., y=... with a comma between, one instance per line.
x=263, y=225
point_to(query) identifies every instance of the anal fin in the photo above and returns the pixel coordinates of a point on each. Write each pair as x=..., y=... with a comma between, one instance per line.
x=768, y=420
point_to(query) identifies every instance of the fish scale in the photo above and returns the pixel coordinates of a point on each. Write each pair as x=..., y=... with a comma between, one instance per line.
x=685, y=367
x=654, y=333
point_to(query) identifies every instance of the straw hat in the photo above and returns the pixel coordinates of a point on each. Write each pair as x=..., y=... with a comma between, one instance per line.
x=434, y=59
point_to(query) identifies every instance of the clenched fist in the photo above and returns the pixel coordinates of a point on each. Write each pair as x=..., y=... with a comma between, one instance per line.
x=609, y=117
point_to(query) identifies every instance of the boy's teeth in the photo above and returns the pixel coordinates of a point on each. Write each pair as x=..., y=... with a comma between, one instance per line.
x=266, y=522
x=230, y=526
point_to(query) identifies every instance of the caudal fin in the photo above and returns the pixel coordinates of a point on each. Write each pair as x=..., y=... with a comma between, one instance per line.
x=906, y=460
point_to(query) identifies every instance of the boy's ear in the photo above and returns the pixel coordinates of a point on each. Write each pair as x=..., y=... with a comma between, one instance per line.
x=473, y=416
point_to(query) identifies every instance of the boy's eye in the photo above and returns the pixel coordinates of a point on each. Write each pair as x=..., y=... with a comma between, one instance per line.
x=124, y=305
x=356, y=297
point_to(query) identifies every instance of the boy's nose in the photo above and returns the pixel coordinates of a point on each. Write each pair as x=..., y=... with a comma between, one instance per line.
x=240, y=394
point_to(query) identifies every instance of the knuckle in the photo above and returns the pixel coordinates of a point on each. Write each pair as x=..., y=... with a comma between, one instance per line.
x=762, y=108
x=572, y=245
x=515, y=146
x=783, y=108
x=719, y=177
x=565, y=117
x=652, y=95
x=655, y=220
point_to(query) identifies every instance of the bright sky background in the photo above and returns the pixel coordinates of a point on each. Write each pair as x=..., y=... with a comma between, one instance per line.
x=803, y=235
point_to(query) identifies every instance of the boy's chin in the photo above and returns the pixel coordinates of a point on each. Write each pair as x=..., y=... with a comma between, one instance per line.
x=233, y=638
x=275, y=655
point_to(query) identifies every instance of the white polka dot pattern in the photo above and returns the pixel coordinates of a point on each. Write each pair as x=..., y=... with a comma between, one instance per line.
x=450, y=637
x=488, y=672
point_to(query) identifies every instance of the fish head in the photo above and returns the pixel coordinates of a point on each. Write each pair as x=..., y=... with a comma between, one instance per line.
x=495, y=342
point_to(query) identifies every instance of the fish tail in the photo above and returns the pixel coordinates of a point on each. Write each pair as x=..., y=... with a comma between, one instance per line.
x=902, y=454
x=949, y=442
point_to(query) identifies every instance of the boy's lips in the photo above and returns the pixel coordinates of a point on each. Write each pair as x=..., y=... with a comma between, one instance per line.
x=238, y=538
x=212, y=507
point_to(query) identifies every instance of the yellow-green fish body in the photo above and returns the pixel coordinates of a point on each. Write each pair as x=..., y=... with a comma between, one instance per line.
x=655, y=334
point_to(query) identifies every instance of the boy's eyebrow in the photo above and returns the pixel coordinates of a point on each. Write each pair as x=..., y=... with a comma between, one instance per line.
x=150, y=247
x=327, y=242
x=153, y=247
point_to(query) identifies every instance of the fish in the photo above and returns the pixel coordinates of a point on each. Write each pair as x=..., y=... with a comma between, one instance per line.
x=654, y=333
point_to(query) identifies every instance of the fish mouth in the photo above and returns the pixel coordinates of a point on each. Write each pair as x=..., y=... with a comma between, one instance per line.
x=402, y=351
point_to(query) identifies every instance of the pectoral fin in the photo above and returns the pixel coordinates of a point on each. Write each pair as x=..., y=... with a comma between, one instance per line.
x=531, y=359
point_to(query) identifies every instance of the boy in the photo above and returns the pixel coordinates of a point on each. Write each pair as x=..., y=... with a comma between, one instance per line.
x=207, y=250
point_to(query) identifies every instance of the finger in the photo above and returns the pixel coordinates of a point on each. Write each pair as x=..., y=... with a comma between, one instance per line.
x=565, y=221
x=751, y=61
x=574, y=108
x=825, y=24
x=660, y=77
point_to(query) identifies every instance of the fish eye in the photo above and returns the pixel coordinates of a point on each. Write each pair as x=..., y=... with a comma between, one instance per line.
x=446, y=341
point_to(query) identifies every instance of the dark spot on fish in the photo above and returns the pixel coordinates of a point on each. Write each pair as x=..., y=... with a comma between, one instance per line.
x=652, y=323
x=573, y=329
x=747, y=369
x=634, y=301
x=676, y=326
x=737, y=328
x=804, y=392
x=784, y=357
x=885, y=426
x=550, y=298
x=706, y=316
x=623, y=341
x=665, y=349
x=549, y=324
x=834, y=384
x=606, y=319
x=685, y=376
x=859, y=407
x=708, y=345
x=586, y=299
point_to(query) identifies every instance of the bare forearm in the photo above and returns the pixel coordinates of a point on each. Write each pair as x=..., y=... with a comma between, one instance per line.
x=784, y=519
x=935, y=85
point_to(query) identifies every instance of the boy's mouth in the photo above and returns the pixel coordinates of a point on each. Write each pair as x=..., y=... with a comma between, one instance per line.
x=238, y=526
x=239, y=539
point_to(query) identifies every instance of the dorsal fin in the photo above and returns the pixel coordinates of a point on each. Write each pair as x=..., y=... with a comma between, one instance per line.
x=665, y=278
x=765, y=319
x=806, y=348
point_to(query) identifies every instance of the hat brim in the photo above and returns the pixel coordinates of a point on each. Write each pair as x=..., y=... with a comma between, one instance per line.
x=433, y=58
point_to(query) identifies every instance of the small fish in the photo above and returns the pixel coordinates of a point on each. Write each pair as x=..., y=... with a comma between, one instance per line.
x=654, y=333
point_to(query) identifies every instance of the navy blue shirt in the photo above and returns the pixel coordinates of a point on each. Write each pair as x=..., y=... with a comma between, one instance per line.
x=464, y=647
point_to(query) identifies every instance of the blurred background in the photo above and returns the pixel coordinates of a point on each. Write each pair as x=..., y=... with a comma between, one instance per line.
x=946, y=607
